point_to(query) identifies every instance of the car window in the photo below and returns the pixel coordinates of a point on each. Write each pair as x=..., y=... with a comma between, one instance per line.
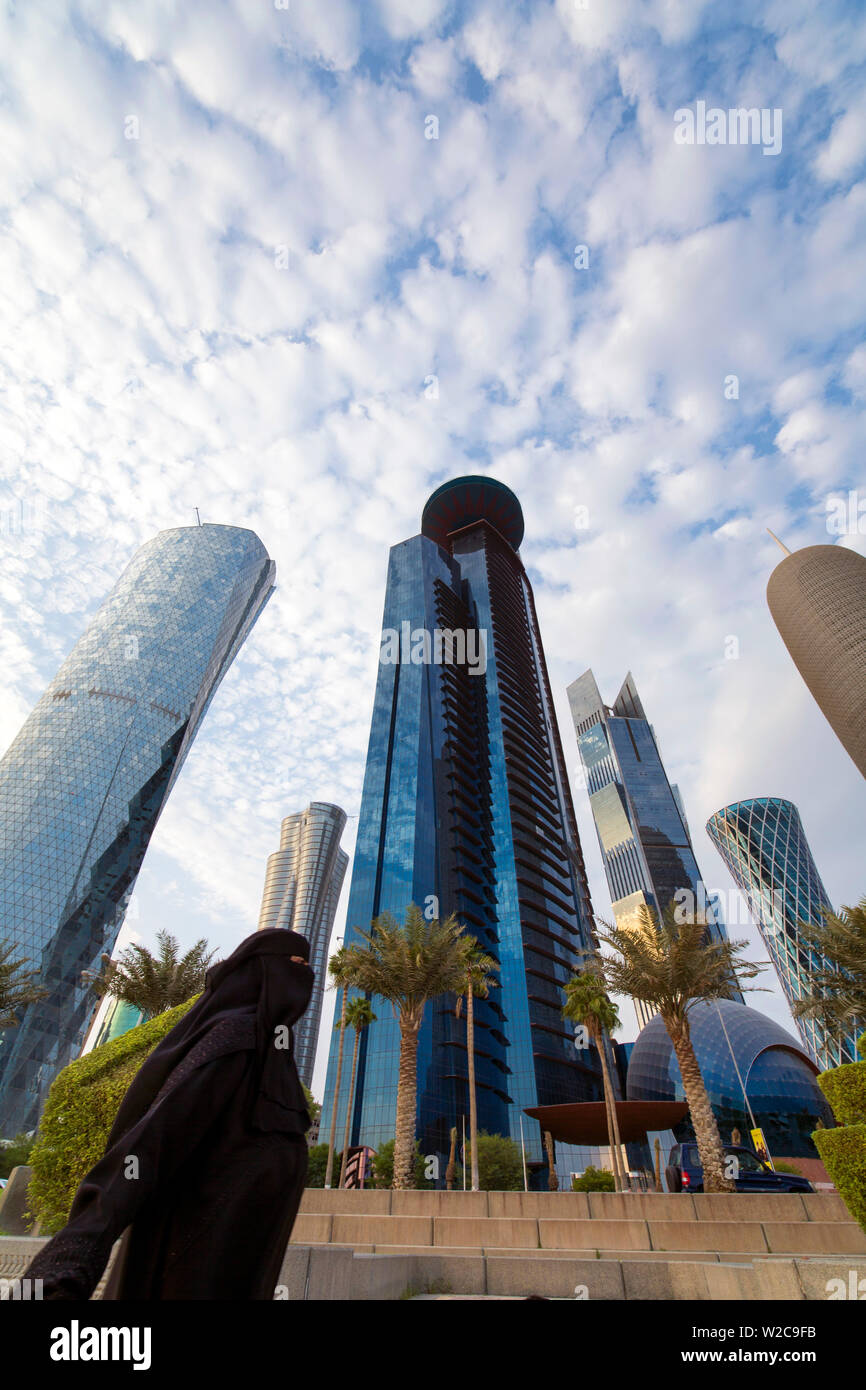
x=691, y=1157
x=749, y=1163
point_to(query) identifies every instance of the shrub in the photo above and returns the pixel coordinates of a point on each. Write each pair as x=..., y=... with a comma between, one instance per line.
x=594, y=1180
x=15, y=1153
x=317, y=1165
x=843, y=1153
x=500, y=1164
x=845, y=1089
x=82, y=1104
x=382, y=1172
x=781, y=1166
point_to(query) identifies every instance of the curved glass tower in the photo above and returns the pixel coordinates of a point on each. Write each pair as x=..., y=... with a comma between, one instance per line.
x=302, y=888
x=765, y=848
x=466, y=809
x=84, y=782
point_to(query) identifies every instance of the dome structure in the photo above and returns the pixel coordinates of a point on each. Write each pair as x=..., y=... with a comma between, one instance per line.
x=463, y=501
x=778, y=1076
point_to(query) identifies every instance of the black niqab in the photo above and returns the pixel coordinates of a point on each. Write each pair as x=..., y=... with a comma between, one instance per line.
x=257, y=984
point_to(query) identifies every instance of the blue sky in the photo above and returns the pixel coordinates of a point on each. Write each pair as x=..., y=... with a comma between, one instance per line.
x=230, y=263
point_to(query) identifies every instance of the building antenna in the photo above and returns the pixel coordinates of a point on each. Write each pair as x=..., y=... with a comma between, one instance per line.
x=198, y=519
x=778, y=542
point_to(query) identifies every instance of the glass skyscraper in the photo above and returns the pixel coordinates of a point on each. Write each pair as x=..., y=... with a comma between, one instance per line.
x=302, y=887
x=765, y=848
x=82, y=785
x=466, y=809
x=639, y=816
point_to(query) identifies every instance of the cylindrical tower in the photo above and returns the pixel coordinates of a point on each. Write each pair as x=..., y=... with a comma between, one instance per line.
x=817, y=597
x=302, y=888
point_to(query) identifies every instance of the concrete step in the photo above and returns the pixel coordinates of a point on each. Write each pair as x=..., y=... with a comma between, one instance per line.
x=700, y=1235
x=735, y=1206
x=329, y=1273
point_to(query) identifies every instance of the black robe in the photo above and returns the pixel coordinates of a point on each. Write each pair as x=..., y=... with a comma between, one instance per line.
x=205, y=1165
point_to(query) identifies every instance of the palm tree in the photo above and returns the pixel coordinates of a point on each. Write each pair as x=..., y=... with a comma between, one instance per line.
x=477, y=983
x=670, y=964
x=17, y=986
x=359, y=1015
x=341, y=978
x=589, y=1005
x=836, y=997
x=407, y=966
x=153, y=983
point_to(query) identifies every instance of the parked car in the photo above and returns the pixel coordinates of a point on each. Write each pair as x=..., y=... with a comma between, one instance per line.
x=684, y=1172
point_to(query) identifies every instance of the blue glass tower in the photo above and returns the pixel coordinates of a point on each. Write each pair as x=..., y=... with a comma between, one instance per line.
x=639, y=816
x=466, y=809
x=765, y=848
x=84, y=782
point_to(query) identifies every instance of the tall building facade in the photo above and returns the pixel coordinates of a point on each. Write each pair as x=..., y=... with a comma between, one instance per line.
x=765, y=848
x=83, y=783
x=303, y=881
x=639, y=816
x=817, y=597
x=466, y=809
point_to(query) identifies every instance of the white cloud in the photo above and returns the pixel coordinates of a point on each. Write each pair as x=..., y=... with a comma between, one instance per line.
x=155, y=356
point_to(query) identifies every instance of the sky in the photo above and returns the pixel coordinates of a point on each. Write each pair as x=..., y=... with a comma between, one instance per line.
x=297, y=262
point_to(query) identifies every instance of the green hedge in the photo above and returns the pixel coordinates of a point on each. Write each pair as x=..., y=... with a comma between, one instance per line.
x=81, y=1108
x=845, y=1089
x=843, y=1153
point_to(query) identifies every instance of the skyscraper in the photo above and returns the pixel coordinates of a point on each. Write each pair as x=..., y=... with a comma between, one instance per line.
x=466, y=809
x=639, y=817
x=817, y=597
x=302, y=888
x=83, y=783
x=764, y=846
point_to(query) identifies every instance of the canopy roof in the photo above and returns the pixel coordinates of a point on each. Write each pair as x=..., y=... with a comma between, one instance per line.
x=586, y=1121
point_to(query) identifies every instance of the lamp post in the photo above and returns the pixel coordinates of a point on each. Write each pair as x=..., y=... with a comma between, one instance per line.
x=736, y=1068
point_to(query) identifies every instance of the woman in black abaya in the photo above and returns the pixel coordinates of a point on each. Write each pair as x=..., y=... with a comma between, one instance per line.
x=205, y=1165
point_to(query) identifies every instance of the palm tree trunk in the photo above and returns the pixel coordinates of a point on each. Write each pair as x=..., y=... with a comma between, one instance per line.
x=329, y=1172
x=704, y=1121
x=620, y=1154
x=451, y=1170
x=552, y=1179
x=473, y=1107
x=612, y=1124
x=349, y=1107
x=404, y=1140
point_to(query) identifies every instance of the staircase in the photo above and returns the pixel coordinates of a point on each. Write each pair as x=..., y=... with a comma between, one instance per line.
x=586, y=1246
x=563, y=1244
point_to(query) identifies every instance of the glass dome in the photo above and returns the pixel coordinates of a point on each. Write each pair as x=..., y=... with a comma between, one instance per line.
x=778, y=1075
